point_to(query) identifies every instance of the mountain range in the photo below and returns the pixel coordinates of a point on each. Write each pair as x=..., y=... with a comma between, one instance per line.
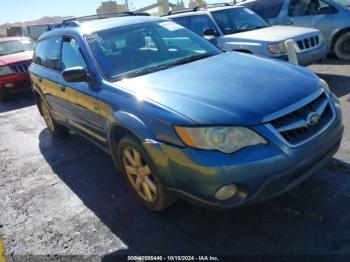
x=42, y=21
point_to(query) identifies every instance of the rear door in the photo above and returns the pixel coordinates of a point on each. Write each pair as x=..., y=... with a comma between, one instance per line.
x=82, y=97
x=45, y=73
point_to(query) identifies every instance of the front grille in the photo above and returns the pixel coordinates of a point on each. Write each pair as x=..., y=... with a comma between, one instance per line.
x=20, y=68
x=308, y=43
x=304, y=123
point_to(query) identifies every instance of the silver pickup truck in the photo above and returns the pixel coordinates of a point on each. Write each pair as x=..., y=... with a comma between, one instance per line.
x=235, y=28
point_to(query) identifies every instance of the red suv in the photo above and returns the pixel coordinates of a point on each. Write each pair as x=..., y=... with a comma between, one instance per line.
x=16, y=54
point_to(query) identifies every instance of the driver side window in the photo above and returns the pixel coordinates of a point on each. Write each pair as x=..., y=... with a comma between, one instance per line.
x=71, y=55
x=309, y=8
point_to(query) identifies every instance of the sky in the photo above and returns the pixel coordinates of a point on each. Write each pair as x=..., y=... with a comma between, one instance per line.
x=26, y=10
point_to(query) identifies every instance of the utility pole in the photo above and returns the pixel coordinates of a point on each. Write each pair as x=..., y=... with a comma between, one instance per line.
x=127, y=6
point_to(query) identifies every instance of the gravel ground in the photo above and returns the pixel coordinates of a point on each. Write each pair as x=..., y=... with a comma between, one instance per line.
x=63, y=196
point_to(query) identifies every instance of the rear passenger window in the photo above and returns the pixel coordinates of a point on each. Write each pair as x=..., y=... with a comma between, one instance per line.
x=47, y=53
x=71, y=55
x=268, y=9
x=184, y=21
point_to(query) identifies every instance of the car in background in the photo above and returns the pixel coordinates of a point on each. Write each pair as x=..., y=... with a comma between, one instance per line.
x=16, y=54
x=234, y=28
x=332, y=18
x=180, y=117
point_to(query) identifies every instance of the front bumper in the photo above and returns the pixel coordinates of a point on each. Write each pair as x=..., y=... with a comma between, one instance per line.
x=259, y=172
x=20, y=83
x=309, y=57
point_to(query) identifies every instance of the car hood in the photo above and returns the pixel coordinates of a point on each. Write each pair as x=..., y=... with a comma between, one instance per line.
x=273, y=33
x=15, y=58
x=230, y=88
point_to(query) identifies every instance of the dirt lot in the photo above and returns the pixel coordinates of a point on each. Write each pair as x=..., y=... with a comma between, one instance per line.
x=63, y=196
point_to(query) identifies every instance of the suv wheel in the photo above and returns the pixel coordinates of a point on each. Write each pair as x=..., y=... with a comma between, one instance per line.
x=141, y=175
x=342, y=47
x=55, y=128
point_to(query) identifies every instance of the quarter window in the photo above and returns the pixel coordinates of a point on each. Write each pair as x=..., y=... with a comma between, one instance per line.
x=71, y=54
x=268, y=9
x=184, y=21
x=47, y=53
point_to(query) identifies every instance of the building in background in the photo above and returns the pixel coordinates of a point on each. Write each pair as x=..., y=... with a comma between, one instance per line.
x=110, y=7
x=14, y=31
x=195, y=3
x=35, y=31
x=163, y=7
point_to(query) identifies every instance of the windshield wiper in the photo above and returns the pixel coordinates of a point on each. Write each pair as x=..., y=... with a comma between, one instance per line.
x=251, y=29
x=162, y=67
x=190, y=59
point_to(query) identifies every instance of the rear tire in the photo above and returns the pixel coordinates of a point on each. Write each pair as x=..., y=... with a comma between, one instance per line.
x=342, y=47
x=55, y=128
x=142, y=176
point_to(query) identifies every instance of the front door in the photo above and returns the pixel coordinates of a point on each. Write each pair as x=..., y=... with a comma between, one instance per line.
x=82, y=96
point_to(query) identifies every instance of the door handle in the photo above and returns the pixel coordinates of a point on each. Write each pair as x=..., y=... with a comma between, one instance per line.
x=63, y=88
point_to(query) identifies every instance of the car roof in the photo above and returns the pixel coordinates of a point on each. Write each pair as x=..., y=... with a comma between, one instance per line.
x=12, y=38
x=73, y=27
x=203, y=10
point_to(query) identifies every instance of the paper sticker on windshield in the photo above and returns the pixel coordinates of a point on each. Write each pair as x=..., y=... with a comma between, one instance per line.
x=171, y=26
x=249, y=11
x=25, y=42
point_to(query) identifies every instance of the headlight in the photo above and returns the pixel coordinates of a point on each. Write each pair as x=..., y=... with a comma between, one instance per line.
x=5, y=70
x=224, y=139
x=279, y=48
x=325, y=85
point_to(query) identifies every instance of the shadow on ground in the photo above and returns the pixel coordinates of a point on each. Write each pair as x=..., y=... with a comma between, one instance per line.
x=312, y=218
x=339, y=84
x=17, y=102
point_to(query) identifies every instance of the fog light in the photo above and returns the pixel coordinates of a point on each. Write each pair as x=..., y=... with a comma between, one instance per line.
x=9, y=85
x=226, y=192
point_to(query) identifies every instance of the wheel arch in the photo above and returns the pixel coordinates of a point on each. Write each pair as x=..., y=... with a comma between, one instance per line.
x=246, y=51
x=337, y=35
x=126, y=124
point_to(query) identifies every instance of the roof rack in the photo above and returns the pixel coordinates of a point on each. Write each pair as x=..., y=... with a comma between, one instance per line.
x=180, y=11
x=211, y=6
x=103, y=16
x=197, y=8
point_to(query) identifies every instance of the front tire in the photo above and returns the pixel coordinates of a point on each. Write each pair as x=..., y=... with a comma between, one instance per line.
x=4, y=96
x=55, y=128
x=342, y=47
x=142, y=176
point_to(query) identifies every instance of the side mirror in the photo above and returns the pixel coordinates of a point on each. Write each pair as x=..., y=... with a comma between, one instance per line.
x=75, y=74
x=209, y=34
x=327, y=10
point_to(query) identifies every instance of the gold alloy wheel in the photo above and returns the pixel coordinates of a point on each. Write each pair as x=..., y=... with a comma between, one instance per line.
x=139, y=174
x=47, y=116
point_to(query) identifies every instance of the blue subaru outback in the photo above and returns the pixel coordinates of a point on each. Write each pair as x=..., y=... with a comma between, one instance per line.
x=179, y=117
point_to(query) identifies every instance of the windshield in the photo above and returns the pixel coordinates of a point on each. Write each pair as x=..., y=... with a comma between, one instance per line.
x=16, y=46
x=235, y=20
x=145, y=48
